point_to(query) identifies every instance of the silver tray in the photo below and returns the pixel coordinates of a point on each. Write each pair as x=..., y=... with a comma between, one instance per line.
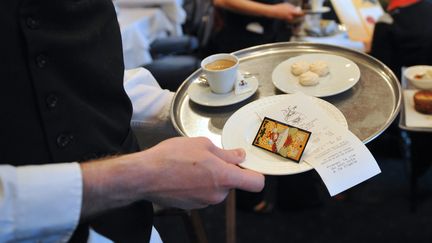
x=369, y=107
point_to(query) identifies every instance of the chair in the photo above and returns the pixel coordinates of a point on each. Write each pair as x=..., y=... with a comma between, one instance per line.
x=192, y=222
x=173, y=60
x=199, y=20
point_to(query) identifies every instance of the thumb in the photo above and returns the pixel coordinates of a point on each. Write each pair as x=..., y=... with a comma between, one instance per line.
x=237, y=177
x=245, y=179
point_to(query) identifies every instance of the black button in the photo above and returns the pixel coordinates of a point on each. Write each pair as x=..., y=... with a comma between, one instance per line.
x=51, y=101
x=32, y=23
x=63, y=140
x=41, y=61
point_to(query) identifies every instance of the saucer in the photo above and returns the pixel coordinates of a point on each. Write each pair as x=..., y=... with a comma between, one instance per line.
x=201, y=94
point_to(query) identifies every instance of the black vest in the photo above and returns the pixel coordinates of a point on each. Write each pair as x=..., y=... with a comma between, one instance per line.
x=62, y=97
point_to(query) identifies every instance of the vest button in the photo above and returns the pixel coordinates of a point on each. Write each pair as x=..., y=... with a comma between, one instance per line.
x=51, y=101
x=63, y=140
x=32, y=23
x=41, y=61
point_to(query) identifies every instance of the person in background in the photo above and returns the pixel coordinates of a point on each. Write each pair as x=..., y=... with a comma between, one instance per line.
x=70, y=164
x=244, y=23
x=403, y=36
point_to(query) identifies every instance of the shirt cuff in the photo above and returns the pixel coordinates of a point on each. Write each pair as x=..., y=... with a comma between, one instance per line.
x=49, y=201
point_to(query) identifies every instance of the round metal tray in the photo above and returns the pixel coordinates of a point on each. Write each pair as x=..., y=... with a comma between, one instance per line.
x=369, y=107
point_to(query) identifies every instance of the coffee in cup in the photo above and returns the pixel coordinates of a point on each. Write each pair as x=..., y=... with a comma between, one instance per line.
x=220, y=70
x=220, y=64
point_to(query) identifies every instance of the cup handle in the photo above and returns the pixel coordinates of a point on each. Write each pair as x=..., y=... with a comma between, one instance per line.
x=203, y=80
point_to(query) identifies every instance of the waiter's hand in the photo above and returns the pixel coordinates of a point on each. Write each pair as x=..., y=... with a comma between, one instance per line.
x=287, y=12
x=194, y=173
x=179, y=172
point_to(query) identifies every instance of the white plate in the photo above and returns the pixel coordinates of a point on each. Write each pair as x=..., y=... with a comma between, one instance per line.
x=343, y=74
x=240, y=130
x=201, y=94
x=321, y=10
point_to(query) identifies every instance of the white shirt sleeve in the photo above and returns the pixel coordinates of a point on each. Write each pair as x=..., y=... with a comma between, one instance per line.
x=95, y=237
x=151, y=103
x=151, y=107
x=41, y=202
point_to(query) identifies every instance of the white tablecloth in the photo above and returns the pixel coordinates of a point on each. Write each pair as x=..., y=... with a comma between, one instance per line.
x=139, y=28
x=173, y=9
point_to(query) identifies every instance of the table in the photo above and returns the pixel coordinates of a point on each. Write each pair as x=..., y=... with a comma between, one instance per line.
x=369, y=107
x=416, y=167
x=139, y=28
x=402, y=119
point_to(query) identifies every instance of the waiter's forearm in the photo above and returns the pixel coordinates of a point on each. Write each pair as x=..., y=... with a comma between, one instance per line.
x=107, y=184
x=246, y=7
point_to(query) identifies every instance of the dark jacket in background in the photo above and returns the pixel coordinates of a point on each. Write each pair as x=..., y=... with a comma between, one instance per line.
x=404, y=37
x=232, y=35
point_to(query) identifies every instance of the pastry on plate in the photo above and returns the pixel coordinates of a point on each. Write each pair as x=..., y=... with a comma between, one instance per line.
x=423, y=101
x=319, y=67
x=300, y=67
x=309, y=79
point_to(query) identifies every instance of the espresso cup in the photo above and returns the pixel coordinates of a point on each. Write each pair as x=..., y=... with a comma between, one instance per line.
x=316, y=4
x=220, y=70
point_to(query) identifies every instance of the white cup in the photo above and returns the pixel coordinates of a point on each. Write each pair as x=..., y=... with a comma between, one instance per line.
x=220, y=70
x=316, y=4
